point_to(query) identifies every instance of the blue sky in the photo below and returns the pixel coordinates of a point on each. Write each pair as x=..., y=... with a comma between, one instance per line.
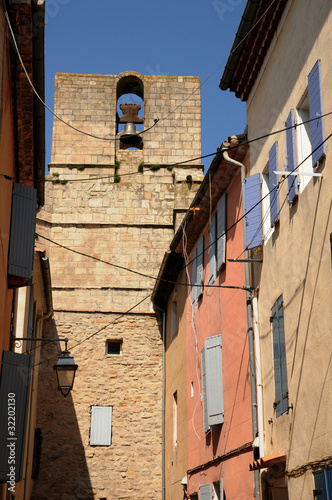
x=178, y=37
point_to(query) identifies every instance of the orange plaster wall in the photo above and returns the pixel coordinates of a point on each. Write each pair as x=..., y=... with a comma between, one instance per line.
x=222, y=311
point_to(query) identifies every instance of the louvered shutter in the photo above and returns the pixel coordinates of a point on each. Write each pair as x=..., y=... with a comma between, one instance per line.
x=101, y=426
x=31, y=319
x=221, y=232
x=200, y=265
x=273, y=183
x=316, y=109
x=14, y=387
x=205, y=492
x=253, y=217
x=204, y=390
x=323, y=483
x=194, y=278
x=22, y=234
x=212, y=250
x=214, y=400
x=279, y=358
x=292, y=181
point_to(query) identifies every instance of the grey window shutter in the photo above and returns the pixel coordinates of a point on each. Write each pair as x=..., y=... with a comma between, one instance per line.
x=273, y=183
x=221, y=232
x=200, y=265
x=279, y=358
x=204, y=390
x=316, y=109
x=101, y=426
x=194, y=293
x=292, y=181
x=31, y=319
x=253, y=216
x=213, y=395
x=22, y=234
x=205, y=491
x=14, y=389
x=212, y=249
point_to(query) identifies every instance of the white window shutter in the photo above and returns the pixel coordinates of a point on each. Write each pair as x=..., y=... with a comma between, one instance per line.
x=204, y=396
x=221, y=232
x=205, y=492
x=200, y=265
x=101, y=426
x=194, y=279
x=212, y=249
x=213, y=400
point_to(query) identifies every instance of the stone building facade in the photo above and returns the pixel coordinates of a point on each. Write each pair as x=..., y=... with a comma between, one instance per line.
x=110, y=213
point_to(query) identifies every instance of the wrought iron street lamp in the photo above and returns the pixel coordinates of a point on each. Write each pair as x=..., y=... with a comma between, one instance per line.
x=65, y=368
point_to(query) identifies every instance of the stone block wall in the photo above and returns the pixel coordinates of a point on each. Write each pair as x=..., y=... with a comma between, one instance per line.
x=106, y=224
x=130, y=382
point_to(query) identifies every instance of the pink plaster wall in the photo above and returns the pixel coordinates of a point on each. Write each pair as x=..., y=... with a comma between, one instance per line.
x=222, y=311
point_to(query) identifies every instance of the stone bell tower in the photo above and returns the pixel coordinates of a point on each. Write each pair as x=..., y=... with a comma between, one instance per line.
x=114, y=197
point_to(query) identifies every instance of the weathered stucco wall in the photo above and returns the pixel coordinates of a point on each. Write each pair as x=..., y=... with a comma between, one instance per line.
x=297, y=256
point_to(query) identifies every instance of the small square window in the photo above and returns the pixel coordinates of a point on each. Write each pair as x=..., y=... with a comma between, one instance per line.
x=114, y=347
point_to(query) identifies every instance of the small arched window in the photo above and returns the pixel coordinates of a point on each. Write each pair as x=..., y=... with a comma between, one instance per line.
x=130, y=109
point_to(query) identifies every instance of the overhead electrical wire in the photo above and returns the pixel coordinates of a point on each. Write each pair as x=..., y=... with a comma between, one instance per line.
x=244, y=143
x=156, y=120
x=187, y=263
x=285, y=176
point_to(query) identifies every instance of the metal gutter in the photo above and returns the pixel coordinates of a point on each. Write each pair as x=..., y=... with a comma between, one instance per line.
x=249, y=324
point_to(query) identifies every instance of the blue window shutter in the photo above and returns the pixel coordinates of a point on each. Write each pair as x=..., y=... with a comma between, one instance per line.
x=279, y=358
x=273, y=183
x=15, y=379
x=221, y=232
x=323, y=482
x=101, y=426
x=211, y=358
x=212, y=249
x=205, y=491
x=292, y=181
x=316, y=109
x=22, y=234
x=253, y=219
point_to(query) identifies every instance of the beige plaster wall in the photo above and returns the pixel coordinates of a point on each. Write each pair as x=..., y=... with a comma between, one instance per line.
x=176, y=456
x=297, y=256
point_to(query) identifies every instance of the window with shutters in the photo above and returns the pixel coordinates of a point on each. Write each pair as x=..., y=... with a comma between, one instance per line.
x=197, y=271
x=292, y=180
x=310, y=132
x=101, y=426
x=270, y=194
x=212, y=386
x=211, y=491
x=279, y=357
x=323, y=484
x=217, y=240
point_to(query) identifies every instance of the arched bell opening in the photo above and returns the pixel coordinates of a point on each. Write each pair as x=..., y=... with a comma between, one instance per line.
x=130, y=112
